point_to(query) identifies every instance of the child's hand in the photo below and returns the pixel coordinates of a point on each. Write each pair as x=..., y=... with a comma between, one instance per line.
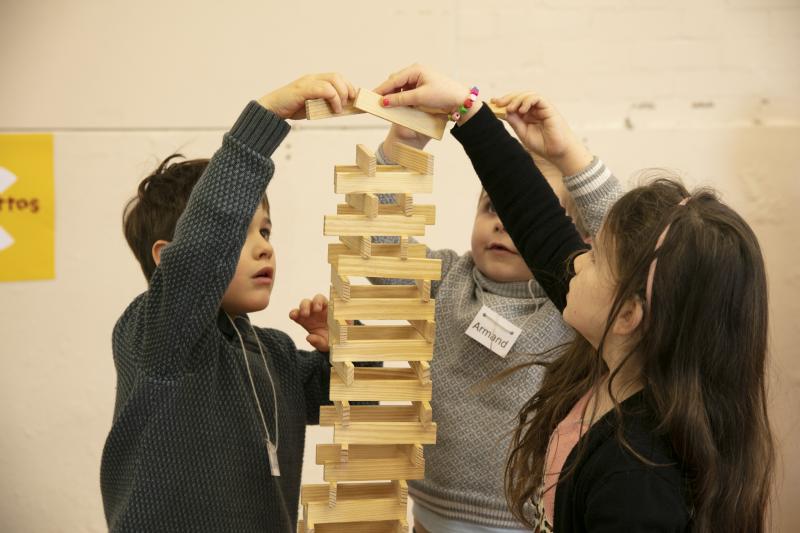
x=289, y=101
x=543, y=131
x=421, y=86
x=313, y=316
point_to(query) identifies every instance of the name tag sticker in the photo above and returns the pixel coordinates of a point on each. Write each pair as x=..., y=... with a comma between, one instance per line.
x=493, y=331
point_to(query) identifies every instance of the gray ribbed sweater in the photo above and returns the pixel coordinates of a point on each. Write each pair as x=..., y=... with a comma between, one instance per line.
x=464, y=470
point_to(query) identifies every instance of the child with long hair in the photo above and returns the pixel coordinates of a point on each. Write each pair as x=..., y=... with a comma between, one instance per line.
x=655, y=418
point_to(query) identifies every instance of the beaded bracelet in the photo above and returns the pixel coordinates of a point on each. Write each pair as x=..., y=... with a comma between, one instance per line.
x=455, y=116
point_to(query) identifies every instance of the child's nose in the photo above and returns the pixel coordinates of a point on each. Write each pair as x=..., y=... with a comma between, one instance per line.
x=498, y=224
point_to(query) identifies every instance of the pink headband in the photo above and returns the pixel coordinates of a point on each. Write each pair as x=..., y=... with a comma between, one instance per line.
x=651, y=274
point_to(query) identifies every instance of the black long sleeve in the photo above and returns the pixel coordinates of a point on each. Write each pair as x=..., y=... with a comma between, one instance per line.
x=525, y=202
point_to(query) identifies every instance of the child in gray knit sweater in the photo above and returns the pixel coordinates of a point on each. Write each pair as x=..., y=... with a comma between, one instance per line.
x=463, y=487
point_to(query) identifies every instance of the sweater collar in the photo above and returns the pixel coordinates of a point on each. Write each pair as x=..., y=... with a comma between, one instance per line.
x=508, y=289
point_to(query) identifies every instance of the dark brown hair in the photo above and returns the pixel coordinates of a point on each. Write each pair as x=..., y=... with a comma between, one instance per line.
x=160, y=200
x=702, y=349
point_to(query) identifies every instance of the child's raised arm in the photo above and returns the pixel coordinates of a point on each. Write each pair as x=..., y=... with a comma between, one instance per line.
x=525, y=202
x=196, y=267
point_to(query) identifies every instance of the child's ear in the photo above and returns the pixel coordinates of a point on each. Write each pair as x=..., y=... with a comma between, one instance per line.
x=156, y=250
x=629, y=317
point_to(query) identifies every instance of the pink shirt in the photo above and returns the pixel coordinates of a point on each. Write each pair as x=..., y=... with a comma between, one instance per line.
x=562, y=441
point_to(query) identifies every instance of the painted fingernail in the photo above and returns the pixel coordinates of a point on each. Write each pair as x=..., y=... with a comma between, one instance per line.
x=385, y=102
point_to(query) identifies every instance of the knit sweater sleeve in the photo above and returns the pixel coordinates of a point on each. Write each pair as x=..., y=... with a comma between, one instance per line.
x=525, y=202
x=186, y=289
x=594, y=189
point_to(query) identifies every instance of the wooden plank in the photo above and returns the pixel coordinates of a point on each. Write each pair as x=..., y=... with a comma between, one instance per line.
x=366, y=160
x=341, y=285
x=383, y=309
x=393, y=526
x=412, y=158
x=415, y=250
x=384, y=291
x=380, y=384
x=361, y=225
x=355, y=502
x=401, y=490
x=406, y=203
x=385, y=433
x=382, y=350
x=388, y=179
x=388, y=333
x=346, y=371
x=328, y=415
x=319, y=108
x=403, y=247
x=424, y=288
x=416, y=454
x=367, y=204
x=389, y=267
x=415, y=119
x=423, y=371
x=337, y=329
x=343, y=410
x=428, y=212
x=426, y=328
x=424, y=412
x=387, y=462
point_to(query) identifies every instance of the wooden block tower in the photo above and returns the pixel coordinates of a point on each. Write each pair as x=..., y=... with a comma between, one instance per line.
x=377, y=448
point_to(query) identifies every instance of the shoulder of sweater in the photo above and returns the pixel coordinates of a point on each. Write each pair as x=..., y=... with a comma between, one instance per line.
x=277, y=340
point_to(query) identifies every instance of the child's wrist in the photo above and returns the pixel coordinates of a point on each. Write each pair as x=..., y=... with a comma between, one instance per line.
x=573, y=160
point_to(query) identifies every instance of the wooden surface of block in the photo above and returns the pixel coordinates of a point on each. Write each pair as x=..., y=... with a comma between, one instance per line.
x=385, y=433
x=415, y=250
x=388, y=179
x=393, y=526
x=319, y=108
x=428, y=212
x=367, y=463
x=355, y=502
x=366, y=160
x=361, y=225
x=389, y=267
x=380, y=384
x=415, y=119
x=412, y=158
x=383, y=309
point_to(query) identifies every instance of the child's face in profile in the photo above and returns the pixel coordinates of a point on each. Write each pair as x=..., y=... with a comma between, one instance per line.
x=492, y=249
x=250, y=289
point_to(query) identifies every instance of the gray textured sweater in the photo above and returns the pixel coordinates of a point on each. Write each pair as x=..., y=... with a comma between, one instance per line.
x=186, y=451
x=464, y=470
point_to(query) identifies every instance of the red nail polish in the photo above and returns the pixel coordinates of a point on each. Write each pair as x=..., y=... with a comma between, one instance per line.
x=385, y=102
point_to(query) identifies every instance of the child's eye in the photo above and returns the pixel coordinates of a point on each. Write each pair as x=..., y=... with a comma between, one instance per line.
x=265, y=232
x=490, y=208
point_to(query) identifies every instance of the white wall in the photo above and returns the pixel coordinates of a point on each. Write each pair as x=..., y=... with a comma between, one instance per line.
x=709, y=87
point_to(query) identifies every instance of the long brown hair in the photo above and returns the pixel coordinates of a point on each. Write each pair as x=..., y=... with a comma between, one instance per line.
x=702, y=349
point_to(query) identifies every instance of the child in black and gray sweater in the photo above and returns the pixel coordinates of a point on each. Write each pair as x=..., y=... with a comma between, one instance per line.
x=210, y=415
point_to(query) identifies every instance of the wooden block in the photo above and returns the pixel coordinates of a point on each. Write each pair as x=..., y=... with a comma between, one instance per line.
x=403, y=247
x=380, y=384
x=365, y=247
x=344, y=452
x=366, y=160
x=362, y=225
x=499, y=112
x=355, y=502
x=341, y=285
x=337, y=329
x=346, y=372
x=329, y=416
x=401, y=490
x=406, y=203
x=382, y=309
x=385, y=526
x=357, y=207
x=366, y=204
x=319, y=108
x=412, y=158
x=419, y=121
x=415, y=249
x=416, y=454
x=423, y=371
x=368, y=463
x=343, y=410
x=426, y=328
x=388, y=179
x=385, y=433
x=424, y=288
x=384, y=291
x=382, y=350
x=390, y=267
x=424, y=412
x=332, y=494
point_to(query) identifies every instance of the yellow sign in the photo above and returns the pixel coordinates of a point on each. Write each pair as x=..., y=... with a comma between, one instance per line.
x=27, y=210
